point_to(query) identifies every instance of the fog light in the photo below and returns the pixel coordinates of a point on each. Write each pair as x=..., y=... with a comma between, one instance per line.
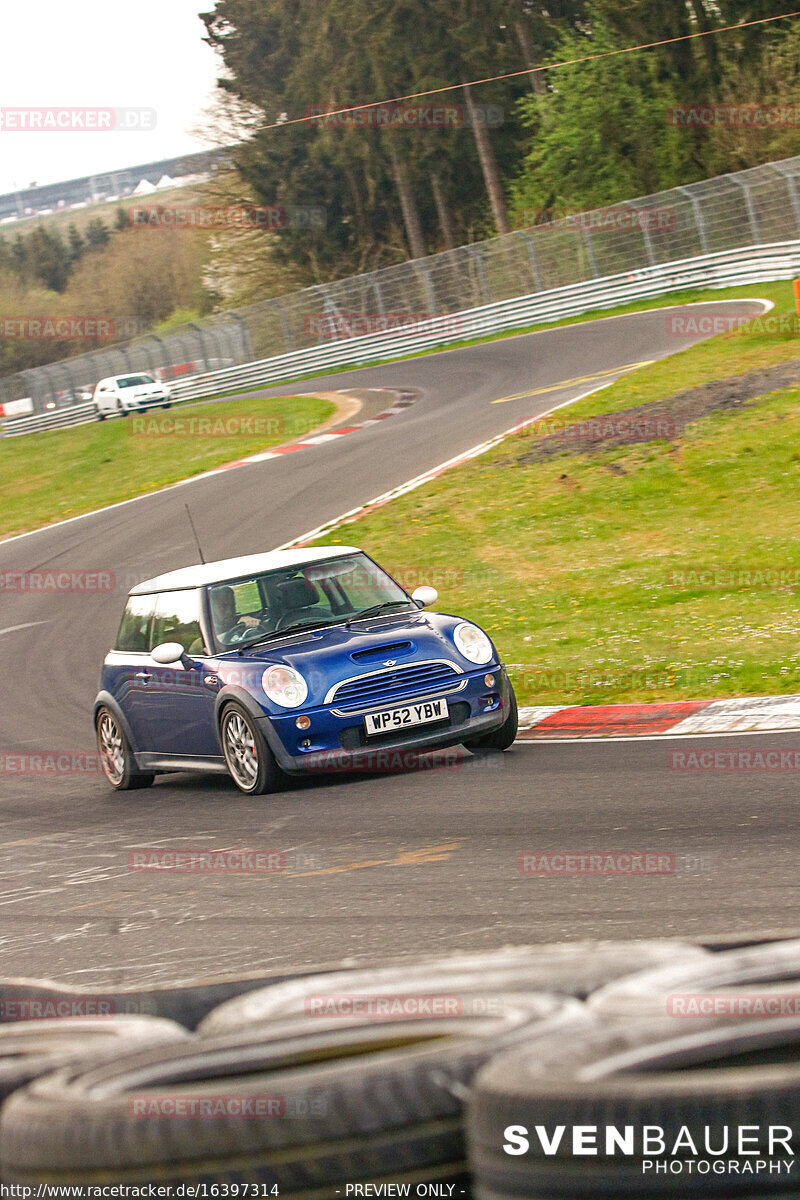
x=302, y=722
x=489, y=680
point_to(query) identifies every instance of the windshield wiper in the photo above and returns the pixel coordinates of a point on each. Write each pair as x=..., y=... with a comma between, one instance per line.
x=374, y=610
x=277, y=633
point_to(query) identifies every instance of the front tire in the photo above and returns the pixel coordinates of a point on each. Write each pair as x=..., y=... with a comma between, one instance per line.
x=250, y=762
x=116, y=756
x=502, y=738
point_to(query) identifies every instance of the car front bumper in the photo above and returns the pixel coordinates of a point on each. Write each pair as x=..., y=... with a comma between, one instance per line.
x=145, y=402
x=339, y=742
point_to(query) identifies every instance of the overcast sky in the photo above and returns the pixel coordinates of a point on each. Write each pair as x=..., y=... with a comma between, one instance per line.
x=102, y=53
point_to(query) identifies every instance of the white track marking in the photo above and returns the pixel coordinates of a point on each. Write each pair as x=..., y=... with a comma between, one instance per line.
x=27, y=625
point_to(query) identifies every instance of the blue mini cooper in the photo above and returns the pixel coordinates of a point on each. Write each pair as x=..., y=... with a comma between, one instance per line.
x=297, y=661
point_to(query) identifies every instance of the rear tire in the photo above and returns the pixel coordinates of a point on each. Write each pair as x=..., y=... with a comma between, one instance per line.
x=116, y=757
x=250, y=762
x=498, y=739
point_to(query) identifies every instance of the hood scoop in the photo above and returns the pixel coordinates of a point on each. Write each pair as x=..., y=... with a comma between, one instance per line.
x=381, y=653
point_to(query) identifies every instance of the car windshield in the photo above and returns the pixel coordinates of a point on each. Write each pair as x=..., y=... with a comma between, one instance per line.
x=126, y=381
x=319, y=593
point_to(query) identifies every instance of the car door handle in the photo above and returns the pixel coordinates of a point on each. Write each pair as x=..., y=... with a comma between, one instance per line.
x=145, y=676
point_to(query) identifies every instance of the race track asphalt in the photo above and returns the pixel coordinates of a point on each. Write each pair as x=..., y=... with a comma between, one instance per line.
x=373, y=866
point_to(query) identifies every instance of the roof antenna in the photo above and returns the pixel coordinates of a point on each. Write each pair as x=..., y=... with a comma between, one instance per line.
x=196, y=538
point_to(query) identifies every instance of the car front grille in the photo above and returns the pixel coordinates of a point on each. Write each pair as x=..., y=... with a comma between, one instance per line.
x=365, y=692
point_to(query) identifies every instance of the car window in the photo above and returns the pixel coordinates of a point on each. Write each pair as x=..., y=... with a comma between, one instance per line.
x=126, y=381
x=134, y=631
x=177, y=619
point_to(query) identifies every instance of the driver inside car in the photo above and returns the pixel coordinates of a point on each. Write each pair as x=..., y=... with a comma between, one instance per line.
x=225, y=616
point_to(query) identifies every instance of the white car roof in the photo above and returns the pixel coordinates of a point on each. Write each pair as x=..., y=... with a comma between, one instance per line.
x=237, y=568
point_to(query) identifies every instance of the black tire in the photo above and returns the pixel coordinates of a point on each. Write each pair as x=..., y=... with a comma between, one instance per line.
x=250, y=762
x=572, y=969
x=355, y=1100
x=101, y=416
x=116, y=756
x=188, y=1004
x=32, y=1048
x=167, y=405
x=655, y=992
x=663, y=1074
x=498, y=739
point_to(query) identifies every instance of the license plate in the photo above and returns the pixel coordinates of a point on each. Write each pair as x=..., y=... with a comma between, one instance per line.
x=403, y=718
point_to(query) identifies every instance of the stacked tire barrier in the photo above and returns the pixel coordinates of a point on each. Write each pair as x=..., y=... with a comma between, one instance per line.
x=644, y=1069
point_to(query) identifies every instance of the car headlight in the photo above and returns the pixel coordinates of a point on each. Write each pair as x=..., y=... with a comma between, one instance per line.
x=473, y=643
x=284, y=686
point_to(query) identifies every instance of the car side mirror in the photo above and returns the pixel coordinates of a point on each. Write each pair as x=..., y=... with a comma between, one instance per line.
x=170, y=652
x=425, y=595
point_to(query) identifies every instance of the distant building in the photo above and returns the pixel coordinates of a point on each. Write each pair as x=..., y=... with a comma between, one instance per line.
x=114, y=185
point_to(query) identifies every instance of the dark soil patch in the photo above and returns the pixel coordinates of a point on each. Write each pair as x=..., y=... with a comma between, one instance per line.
x=659, y=420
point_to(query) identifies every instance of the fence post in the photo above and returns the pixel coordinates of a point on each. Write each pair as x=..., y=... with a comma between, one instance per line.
x=376, y=287
x=537, y=278
x=791, y=181
x=587, y=237
x=201, y=339
x=246, y=348
x=423, y=269
x=146, y=348
x=751, y=212
x=698, y=217
x=475, y=254
x=287, y=333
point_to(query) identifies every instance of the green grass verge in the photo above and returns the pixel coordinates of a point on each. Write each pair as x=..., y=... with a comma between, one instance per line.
x=586, y=568
x=45, y=477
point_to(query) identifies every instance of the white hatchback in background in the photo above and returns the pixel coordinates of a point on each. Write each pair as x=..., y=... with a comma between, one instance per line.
x=122, y=394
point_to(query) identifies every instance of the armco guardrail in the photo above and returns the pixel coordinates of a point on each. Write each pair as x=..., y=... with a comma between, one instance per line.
x=548, y=250
x=750, y=265
x=780, y=261
x=60, y=418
